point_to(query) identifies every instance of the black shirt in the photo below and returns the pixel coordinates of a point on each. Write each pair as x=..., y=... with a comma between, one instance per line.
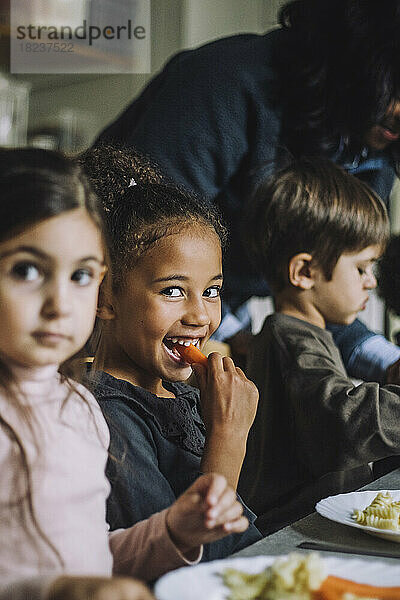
x=156, y=447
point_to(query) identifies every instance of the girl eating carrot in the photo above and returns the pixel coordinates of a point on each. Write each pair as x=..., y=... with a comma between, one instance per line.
x=165, y=293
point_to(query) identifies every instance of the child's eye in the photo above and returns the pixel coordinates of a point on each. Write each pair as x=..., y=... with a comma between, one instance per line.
x=172, y=292
x=25, y=271
x=82, y=276
x=212, y=292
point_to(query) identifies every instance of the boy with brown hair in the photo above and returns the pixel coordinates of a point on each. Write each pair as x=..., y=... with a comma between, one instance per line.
x=315, y=231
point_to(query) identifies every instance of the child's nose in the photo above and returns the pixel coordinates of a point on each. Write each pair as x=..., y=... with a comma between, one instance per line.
x=57, y=301
x=196, y=313
x=371, y=282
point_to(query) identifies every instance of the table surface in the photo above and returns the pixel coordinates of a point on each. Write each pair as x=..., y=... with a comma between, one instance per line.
x=315, y=528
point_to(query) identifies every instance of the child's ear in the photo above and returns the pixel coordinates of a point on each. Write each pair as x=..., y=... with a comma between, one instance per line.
x=300, y=271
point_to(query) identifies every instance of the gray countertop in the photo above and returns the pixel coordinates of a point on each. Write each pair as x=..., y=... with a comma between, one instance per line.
x=315, y=528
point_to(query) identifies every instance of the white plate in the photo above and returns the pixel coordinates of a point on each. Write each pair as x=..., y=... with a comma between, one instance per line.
x=204, y=582
x=340, y=508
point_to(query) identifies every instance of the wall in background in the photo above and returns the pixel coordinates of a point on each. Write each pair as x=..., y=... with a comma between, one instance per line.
x=212, y=19
x=103, y=97
x=176, y=24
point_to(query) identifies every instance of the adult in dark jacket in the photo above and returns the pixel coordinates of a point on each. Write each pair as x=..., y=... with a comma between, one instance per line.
x=326, y=83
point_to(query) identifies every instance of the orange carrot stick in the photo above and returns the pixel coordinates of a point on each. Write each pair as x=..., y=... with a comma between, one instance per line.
x=334, y=587
x=191, y=354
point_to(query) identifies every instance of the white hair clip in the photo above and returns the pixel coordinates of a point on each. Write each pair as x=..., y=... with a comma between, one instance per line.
x=132, y=183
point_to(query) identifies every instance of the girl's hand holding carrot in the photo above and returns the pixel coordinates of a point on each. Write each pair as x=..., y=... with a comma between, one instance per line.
x=228, y=398
x=98, y=588
x=206, y=512
x=229, y=404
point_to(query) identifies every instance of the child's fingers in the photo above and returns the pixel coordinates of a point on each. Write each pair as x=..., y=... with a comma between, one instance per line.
x=237, y=526
x=210, y=487
x=215, y=363
x=218, y=362
x=231, y=513
x=226, y=509
x=196, y=499
x=200, y=372
x=228, y=364
x=218, y=486
x=241, y=373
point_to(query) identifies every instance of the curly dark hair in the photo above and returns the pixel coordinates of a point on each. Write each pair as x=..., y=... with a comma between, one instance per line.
x=338, y=72
x=111, y=169
x=138, y=215
x=150, y=212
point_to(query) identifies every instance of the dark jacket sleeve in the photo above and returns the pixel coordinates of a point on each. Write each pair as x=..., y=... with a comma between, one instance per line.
x=339, y=425
x=139, y=488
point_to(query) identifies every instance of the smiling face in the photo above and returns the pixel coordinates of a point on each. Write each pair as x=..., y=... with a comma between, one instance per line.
x=387, y=131
x=172, y=295
x=340, y=299
x=49, y=278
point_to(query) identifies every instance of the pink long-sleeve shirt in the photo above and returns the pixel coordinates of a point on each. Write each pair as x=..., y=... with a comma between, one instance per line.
x=67, y=454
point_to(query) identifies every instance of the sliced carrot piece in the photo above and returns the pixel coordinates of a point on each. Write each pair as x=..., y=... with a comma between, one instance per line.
x=334, y=587
x=191, y=354
x=326, y=594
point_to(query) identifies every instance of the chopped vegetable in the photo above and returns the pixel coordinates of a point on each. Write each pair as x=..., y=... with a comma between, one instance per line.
x=334, y=588
x=191, y=354
x=300, y=577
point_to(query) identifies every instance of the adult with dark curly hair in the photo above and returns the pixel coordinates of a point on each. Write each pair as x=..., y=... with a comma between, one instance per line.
x=326, y=83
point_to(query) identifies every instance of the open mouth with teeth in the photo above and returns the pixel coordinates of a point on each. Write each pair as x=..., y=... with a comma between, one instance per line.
x=171, y=342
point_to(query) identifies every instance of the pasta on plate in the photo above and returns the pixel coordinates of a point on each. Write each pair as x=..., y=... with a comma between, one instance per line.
x=299, y=577
x=382, y=513
x=294, y=577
